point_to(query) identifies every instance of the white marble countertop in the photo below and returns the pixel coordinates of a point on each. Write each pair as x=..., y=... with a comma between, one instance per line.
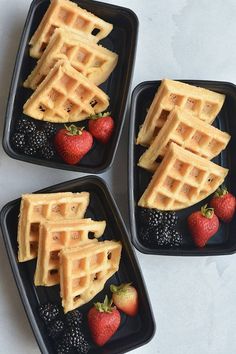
x=193, y=299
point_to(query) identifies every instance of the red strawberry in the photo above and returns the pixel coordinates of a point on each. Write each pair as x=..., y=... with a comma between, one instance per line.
x=125, y=297
x=72, y=143
x=103, y=320
x=203, y=225
x=224, y=204
x=101, y=126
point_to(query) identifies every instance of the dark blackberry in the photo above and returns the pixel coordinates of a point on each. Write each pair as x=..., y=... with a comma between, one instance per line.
x=176, y=238
x=150, y=217
x=170, y=218
x=29, y=150
x=48, y=312
x=25, y=126
x=19, y=141
x=49, y=129
x=37, y=140
x=48, y=151
x=56, y=328
x=74, y=318
x=62, y=348
x=73, y=336
x=156, y=236
x=164, y=235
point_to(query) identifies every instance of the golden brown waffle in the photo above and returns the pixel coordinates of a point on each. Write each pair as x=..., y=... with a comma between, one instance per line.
x=54, y=236
x=92, y=60
x=203, y=103
x=65, y=95
x=66, y=14
x=37, y=208
x=187, y=131
x=181, y=180
x=84, y=271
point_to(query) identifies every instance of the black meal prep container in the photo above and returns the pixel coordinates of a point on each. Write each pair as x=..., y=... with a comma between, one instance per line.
x=224, y=242
x=133, y=331
x=122, y=40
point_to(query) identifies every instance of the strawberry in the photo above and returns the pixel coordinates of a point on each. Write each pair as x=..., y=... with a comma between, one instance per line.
x=203, y=225
x=72, y=143
x=103, y=321
x=224, y=204
x=125, y=297
x=101, y=126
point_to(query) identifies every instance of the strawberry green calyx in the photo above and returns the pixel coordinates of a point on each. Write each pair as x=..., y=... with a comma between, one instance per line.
x=221, y=191
x=99, y=115
x=105, y=306
x=207, y=212
x=74, y=130
x=122, y=288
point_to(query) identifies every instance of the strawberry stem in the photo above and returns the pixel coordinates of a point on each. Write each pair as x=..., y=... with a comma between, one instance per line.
x=99, y=115
x=119, y=288
x=73, y=129
x=207, y=212
x=105, y=306
x=221, y=191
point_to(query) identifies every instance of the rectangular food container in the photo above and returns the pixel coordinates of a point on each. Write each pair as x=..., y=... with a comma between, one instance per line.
x=133, y=331
x=122, y=40
x=224, y=242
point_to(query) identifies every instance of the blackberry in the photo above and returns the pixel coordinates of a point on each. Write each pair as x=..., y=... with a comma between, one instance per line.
x=176, y=238
x=48, y=312
x=37, y=140
x=48, y=151
x=29, y=150
x=151, y=217
x=156, y=236
x=170, y=218
x=49, y=129
x=74, y=318
x=56, y=328
x=73, y=336
x=19, y=141
x=164, y=235
x=25, y=126
x=63, y=348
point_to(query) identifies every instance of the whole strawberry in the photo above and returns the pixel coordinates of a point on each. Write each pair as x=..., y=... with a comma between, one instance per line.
x=101, y=126
x=72, y=143
x=224, y=204
x=203, y=225
x=103, y=321
x=125, y=297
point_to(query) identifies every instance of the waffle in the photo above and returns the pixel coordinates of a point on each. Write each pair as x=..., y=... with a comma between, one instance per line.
x=36, y=208
x=187, y=131
x=181, y=180
x=54, y=236
x=92, y=60
x=66, y=14
x=203, y=103
x=65, y=95
x=84, y=271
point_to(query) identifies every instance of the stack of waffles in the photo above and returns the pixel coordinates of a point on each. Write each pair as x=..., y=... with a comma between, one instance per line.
x=180, y=143
x=52, y=228
x=70, y=65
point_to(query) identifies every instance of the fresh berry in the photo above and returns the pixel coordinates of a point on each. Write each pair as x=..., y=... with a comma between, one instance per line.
x=72, y=143
x=49, y=129
x=125, y=297
x=176, y=238
x=37, y=139
x=103, y=321
x=48, y=151
x=30, y=150
x=203, y=225
x=56, y=328
x=19, y=141
x=224, y=204
x=25, y=126
x=156, y=236
x=170, y=218
x=150, y=217
x=62, y=348
x=74, y=318
x=48, y=312
x=101, y=126
x=73, y=338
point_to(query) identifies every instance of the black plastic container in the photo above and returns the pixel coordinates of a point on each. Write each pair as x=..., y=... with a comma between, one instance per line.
x=122, y=40
x=224, y=242
x=133, y=331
